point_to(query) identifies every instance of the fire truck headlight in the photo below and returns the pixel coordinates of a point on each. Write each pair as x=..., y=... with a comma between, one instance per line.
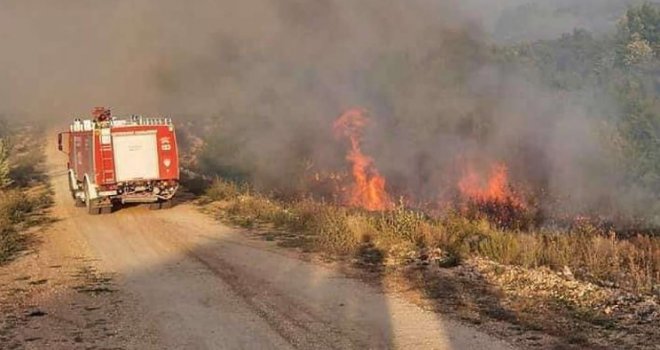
x=156, y=190
x=167, y=162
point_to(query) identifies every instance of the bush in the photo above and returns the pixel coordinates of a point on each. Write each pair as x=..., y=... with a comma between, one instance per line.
x=501, y=247
x=221, y=190
x=5, y=180
x=10, y=241
x=14, y=207
x=337, y=230
x=248, y=210
x=401, y=223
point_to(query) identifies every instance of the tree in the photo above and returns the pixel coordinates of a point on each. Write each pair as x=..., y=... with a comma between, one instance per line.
x=639, y=34
x=623, y=68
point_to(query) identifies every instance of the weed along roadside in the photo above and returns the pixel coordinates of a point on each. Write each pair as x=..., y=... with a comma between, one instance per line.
x=580, y=285
x=24, y=190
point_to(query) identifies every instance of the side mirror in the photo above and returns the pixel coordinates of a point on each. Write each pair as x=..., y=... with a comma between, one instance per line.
x=59, y=142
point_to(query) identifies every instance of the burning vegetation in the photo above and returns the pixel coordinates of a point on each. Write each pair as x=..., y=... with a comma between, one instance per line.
x=493, y=197
x=485, y=194
x=367, y=189
x=493, y=189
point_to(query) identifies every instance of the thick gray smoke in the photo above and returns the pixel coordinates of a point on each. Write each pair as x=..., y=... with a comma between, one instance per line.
x=276, y=73
x=512, y=21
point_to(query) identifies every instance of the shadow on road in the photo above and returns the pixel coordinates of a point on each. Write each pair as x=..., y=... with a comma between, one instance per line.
x=197, y=289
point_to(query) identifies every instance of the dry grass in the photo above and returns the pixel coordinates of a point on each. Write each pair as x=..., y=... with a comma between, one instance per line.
x=599, y=257
x=15, y=207
x=23, y=202
x=10, y=240
x=223, y=190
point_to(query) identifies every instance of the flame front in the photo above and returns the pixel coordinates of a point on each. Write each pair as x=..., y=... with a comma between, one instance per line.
x=368, y=188
x=495, y=189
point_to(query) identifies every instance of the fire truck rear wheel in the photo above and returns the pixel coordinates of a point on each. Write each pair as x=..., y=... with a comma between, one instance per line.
x=79, y=202
x=92, y=209
x=160, y=205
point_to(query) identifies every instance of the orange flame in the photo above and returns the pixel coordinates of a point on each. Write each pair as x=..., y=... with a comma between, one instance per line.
x=495, y=189
x=368, y=190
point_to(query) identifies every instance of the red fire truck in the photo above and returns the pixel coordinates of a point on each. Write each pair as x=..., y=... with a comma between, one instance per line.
x=113, y=161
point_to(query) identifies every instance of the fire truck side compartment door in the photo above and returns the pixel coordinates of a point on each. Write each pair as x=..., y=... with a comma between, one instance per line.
x=136, y=156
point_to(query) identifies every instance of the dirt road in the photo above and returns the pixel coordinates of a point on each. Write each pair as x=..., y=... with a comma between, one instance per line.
x=177, y=279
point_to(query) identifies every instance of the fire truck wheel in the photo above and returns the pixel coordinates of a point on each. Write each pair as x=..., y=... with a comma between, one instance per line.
x=92, y=209
x=166, y=204
x=106, y=210
x=73, y=192
x=79, y=202
x=155, y=206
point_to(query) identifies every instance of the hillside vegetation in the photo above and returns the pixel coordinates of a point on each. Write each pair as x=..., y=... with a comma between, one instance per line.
x=622, y=68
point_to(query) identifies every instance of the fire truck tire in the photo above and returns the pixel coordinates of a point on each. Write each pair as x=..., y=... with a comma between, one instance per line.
x=106, y=210
x=72, y=189
x=161, y=205
x=92, y=209
x=79, y=202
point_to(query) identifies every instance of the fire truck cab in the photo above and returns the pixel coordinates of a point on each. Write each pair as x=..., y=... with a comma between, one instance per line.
x=113, y=161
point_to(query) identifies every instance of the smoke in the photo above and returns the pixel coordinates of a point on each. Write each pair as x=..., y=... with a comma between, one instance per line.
x=513, y=21
x=274, y=75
